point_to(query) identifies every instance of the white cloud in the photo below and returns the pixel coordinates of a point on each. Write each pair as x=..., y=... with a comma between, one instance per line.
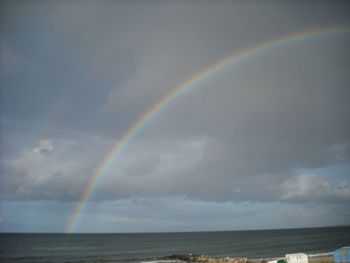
x=314, y=188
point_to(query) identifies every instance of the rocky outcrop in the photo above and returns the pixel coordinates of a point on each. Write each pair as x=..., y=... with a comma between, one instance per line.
x=205, y=259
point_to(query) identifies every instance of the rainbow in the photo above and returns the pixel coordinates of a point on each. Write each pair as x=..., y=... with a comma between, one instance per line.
x=180, y=90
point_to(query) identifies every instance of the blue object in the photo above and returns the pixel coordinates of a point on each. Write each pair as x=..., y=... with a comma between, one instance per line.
x=341, y=255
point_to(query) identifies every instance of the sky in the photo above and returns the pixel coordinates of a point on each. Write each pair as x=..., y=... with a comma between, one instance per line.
x=259, y=144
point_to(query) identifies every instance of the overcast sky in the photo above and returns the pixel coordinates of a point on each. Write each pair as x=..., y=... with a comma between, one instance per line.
x=264, y=143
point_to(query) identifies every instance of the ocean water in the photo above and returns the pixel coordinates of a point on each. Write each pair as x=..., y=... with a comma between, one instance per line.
x=146, y=247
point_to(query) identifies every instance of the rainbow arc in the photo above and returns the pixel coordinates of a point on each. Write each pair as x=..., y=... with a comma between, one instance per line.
x=192, y=82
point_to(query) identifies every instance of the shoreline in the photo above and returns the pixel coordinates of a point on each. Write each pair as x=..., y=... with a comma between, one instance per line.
x=316, y=258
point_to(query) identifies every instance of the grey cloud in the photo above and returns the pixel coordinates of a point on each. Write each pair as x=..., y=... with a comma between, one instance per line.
x=185, y=171
x=181, y=45
x=270, y=120
x=239, y=136
x=143, y=164
x=52, y=170
x=273, y=113
x=156, y=169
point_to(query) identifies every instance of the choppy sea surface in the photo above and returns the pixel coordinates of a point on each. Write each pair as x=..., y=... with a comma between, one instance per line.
x=147, y=247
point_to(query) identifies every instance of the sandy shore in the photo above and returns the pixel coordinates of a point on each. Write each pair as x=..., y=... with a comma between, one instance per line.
x=321, y=259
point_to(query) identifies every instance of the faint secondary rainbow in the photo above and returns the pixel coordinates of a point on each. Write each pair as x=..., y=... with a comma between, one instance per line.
x=91, y=75
x=180, y=90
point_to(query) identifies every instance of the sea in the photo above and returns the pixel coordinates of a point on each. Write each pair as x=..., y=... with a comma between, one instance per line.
x=149, y=247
